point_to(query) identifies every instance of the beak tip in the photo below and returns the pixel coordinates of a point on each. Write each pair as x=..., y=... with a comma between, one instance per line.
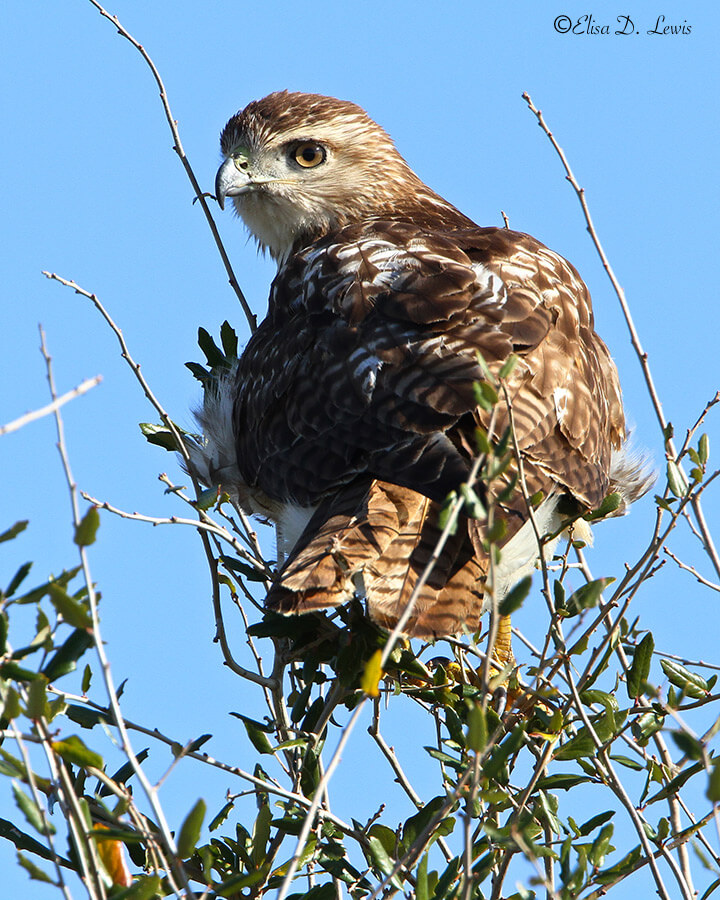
x=221, y=184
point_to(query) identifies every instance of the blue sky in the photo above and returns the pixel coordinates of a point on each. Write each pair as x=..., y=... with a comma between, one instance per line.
x=93, y=192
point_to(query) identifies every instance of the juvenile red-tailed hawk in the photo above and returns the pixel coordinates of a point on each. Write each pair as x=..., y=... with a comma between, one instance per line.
x=351, y=413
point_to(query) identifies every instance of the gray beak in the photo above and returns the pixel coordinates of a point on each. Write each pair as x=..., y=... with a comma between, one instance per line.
x=229, y=182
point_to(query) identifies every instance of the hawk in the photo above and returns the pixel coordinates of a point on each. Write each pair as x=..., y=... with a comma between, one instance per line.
x=352, y=412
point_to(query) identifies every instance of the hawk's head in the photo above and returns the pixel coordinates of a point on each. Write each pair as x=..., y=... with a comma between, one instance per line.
x=298, y=165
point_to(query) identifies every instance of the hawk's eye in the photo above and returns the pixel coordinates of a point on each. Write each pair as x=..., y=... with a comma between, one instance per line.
x=308, y=154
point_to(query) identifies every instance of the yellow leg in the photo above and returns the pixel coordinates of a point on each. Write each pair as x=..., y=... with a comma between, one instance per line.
x=502, y=650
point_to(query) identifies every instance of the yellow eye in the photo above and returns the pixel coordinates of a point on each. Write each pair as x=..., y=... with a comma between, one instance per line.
x=308, y=155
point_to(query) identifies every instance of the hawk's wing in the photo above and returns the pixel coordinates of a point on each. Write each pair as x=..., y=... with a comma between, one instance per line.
x=357, y=393
x=366, y=362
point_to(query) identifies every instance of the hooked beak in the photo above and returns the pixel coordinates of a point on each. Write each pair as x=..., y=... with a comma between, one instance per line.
x=230, y=181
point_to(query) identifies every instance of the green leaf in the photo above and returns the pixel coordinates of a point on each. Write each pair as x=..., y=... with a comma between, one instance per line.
x=418, y=822
x=248, y=572
x=123, y=774
x=628, y=762
x=379, y=859
x=65, y=658
x=72, y=611
x=674, y=785
x=387, y=837
x=73, y=750
x=473, y=506
x=221, y=816
x=562, y=781
x=689, y=745
x=87, y=528
x=485, y=395
x=11, y=670
x=447, y=878
x=586, y=596
x=422, y=887
x=508, y=366
x=55, y=708
x=601, y=846
x=310, y=773
x=646, y=725
x=691, y=684
x=497, y=531
x=595, y=822
x=232, y=887
x=10, y=707
x=515, y=597
x=445, y=512
x=87, y=717
x=18, y=579
x=477, y=731
x=36, y=594
x=199, y=372
x=713, y=788
x=454, y=726
x=579, y=746
x=146, y=887
x=228, y=339
x=624, y=867
x=445, y=759
x=213, y=353
x=12, y=766
x=33, y=870
x=160, y=436
x=3, y=632
x=261, y=834
x=500, y=754
x=14, y=531
x=29, y=809
x=482, y=442
x=610, y=504
x=640, y=669
x=325, y=891
x=206, y=499
x=37, y=699
x=677, y=480
x=190, y=830
x=580, y=646
x=703, y=449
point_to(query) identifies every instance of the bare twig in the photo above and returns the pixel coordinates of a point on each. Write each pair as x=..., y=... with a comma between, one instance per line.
x=200, y=195
x=50, y=408
x=686, y=568
x=172, y=859
x=634, y=338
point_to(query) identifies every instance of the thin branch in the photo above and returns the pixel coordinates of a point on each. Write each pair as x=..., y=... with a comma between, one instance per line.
x=204, y=524
x=634, y=338
x=318, y=797
x=125, y=352
x=686, y=568
x=175, y=865
x=57, y=860
x=200, y=195
x=50, y=408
